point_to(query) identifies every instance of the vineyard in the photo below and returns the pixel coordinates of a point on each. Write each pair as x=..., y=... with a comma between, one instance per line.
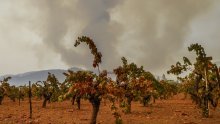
x=135, y=97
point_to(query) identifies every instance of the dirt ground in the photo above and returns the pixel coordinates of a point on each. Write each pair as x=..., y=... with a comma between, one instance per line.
x=172, y=111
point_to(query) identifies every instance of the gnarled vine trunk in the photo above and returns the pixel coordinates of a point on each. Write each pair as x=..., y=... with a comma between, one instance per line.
x=128, y=107
x=95, y=101
x=1, y=99
x=46, y=98
x=78, y=99
x=2, y=94
x=146, y=99
x=78, y=102
x=44, y=103
x=73, y=99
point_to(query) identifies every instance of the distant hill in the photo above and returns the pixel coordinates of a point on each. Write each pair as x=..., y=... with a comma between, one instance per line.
x=34, y=76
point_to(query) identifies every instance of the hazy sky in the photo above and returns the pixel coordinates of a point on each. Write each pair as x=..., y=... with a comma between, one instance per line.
x=40, y=34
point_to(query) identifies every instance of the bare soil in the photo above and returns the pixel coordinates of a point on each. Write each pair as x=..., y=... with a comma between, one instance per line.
x=171, y=111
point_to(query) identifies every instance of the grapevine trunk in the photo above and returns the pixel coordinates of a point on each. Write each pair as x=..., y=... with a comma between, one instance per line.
x=44, y=103
x=1, y=98
x=95, y=101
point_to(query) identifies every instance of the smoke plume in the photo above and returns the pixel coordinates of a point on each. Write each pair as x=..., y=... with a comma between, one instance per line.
x=90, y=18
x=159, y=28
x=148, y=32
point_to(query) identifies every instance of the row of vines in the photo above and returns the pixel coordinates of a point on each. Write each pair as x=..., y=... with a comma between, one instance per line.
x=132, y=83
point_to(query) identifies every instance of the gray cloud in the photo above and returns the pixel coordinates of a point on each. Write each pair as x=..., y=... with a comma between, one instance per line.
x=158, y=29
x=161, y=27
x=95, y=18
x=148, y=32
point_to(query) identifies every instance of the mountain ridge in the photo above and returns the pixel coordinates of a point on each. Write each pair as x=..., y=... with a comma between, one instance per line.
x=41, y=75
x=34, y=76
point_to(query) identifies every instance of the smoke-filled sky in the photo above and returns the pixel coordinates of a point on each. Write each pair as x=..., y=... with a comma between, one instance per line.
x=40, y=34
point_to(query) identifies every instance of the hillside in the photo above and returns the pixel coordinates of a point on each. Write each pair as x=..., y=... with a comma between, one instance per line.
x=34, y=76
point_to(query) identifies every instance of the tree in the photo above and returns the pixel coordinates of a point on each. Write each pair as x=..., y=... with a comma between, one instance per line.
x=90, y=86
x=76, y=78
x=134, y=83
x=4, y=88
x=36, y=90
x=46, y=91
x=13, y=93
x=49, y=89
x=170, y=88
x=203, y=80
x=55, y=86
x=94, y=94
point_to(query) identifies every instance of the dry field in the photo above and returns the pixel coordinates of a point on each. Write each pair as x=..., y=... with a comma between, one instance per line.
x=172, y=111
